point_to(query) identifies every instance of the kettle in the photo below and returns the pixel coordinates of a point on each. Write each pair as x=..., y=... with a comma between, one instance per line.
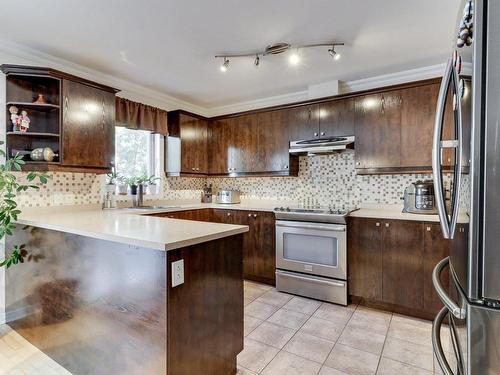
x=419, y=198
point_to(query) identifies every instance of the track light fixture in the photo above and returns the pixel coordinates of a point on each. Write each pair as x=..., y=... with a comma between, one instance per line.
x=225, y=65
x=278, y=48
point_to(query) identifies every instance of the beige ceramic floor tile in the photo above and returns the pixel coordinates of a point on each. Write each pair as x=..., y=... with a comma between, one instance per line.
x=244, y=371
x=290, y=364
x=389, y=367
x=352, y=361
x=302, y=305
x=252, y=292
x=260, y=310
x=335, y=313
x=289, y=319
x=256, y=355
x=363, y=340
x=370, y=322
x=330, y=371
x=322, y=328
x=250, y=323
x=309, y=347
x=275, y=298
x=409, y=353
x=418, y=332
x=271, y=334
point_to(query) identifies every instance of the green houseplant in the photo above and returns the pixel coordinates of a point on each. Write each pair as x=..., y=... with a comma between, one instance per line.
x=9, y=211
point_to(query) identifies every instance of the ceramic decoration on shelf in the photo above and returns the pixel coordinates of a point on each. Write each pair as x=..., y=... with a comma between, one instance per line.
x=43, y=154
x=13, y=110
x=40, y=100
x=23, y=121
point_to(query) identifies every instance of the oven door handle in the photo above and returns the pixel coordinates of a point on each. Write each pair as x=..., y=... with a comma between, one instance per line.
x=333, y=228
x=310, y=279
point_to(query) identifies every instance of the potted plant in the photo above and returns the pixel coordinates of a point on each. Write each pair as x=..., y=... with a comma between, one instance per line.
x=112, y=177
x=122, y=185
x=133, y=182
x=9, y=211
x=152, y=187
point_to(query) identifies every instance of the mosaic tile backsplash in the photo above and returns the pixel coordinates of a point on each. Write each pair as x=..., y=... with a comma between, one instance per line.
x=324, y=179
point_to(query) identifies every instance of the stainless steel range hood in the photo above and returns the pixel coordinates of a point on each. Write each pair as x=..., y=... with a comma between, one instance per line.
x=321, y=145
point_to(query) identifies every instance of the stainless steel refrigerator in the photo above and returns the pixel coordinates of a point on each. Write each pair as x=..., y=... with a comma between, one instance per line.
x=468, y=196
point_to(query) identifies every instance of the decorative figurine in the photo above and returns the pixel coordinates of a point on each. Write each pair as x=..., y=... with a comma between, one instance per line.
x=13, y=117
x=40, y=99
x=49, y=154
x=23, y=121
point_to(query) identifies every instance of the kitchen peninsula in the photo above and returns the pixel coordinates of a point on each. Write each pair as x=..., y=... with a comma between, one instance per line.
x=96, y=293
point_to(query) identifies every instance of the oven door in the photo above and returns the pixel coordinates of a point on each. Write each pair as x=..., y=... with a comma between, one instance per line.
x=312, y=248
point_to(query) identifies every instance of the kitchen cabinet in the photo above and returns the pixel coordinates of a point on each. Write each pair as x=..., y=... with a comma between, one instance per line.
x=303, y=122
x=403, y=263
x=377, y=130
x=192, y=131
x=88, y=125
x=336, y=118
x=197, y=215
x=221, y=139
x=364, y=258
x=390, y=264
x=436, y=248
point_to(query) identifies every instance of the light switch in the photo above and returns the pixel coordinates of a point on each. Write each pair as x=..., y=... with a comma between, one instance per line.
x=177, y=273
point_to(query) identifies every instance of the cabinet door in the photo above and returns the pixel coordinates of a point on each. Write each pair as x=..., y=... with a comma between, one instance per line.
x=88, y=126
x=403, y=263
x=263, y=242
x=418, y=114
x=377, y=120
x=364, y=258
x=336, y=118
x=220, y=143
x=436, y=248
x=189, y=143
x=303, y=122
x=273, y=142
x=244, y=144
x=201, y=146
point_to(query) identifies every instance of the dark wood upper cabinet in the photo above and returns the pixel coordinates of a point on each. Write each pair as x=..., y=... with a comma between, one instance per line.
x=193, y=132
x=377, y=130
x=364, y=257
x=436, y=248
x=244, y=145
x=220, y=145
x=273, y=141
x=418, y=113
x=88, y=125
x=403, y=263
x=336, y=118
x=303, y=122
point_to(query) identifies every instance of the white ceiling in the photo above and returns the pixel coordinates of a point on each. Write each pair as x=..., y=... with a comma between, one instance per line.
x=168, y=45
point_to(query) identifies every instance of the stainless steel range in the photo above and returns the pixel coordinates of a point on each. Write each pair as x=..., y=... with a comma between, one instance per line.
x=311, y=252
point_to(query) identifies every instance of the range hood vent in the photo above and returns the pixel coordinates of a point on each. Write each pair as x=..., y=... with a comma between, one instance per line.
x=320, y=146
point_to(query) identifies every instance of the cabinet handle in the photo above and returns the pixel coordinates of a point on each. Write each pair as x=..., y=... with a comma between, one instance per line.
x=323, y=133
x=192, y=169
x=387, y=225
x=249, y=215
x=254, y=216
x=377, y=224
x=358, y=163
x=428, y=229
x=315, y=134
x=197, y=169
x=229, y=214
x=286, y=166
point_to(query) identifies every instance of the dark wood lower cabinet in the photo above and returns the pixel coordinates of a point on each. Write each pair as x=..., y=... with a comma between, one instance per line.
x=259, y=250
x=390, y=264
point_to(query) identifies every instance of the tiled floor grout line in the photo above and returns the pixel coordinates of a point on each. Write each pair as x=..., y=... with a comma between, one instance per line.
x=282, y=349
x=383, y=346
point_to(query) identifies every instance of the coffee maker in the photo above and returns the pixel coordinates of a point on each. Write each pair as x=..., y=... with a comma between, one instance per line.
x=206, y=195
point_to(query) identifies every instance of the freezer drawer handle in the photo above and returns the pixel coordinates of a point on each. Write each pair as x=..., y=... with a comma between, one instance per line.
x=436, y=342
x=443, y=296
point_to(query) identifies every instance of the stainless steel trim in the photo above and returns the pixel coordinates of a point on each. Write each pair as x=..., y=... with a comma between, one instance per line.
x=310, y=279
x=450, y=144
x=318, y=146
x=289, y=224
x=436, y=342
x=441, y=291
x=436, y=150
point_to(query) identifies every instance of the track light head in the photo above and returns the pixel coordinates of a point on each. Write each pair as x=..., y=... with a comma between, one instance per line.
x=294, y=58
x=256, y=62
x=225, y=65
x=334, y=54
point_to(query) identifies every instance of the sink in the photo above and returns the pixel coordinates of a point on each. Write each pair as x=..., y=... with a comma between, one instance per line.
x=157, y=207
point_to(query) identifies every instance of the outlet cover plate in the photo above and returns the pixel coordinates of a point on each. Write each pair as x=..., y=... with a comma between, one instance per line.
x=177, y=273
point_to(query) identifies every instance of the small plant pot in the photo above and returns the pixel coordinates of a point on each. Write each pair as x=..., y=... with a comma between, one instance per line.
x=133, y=189
x=110, y=188
x=122, y=189
x=152, y=189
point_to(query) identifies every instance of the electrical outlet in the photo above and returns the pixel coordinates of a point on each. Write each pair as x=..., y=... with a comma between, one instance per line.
x=177, y=273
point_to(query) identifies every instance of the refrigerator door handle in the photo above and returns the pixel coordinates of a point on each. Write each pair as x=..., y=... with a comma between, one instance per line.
x=456, y=310
x=437, y=147
x=436, y=342
x=457, y=176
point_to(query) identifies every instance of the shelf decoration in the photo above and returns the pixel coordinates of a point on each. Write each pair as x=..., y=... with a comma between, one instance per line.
x=23, y=121
x=40, y=100
x=43, y=154
x=13, y=110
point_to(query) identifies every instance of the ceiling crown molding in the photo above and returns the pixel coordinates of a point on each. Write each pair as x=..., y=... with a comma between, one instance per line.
x=129, y=89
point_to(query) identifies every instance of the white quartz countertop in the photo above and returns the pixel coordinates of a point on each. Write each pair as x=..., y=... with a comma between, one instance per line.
x=127, y=226
x=395, y=212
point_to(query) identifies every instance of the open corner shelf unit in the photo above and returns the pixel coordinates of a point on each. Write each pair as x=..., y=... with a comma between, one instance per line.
x=63, y=119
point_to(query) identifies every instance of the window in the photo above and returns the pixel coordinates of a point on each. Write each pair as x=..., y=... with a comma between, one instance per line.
x=136, y=152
